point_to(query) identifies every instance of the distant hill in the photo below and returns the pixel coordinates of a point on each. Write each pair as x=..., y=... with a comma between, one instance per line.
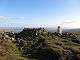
x=71, y=30
x=11, y=29
x=64, y=30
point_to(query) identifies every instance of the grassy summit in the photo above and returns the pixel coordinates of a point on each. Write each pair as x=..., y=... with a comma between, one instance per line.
x=39, y=44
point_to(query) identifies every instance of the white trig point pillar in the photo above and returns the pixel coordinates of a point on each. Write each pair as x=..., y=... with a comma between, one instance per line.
x=59, y=30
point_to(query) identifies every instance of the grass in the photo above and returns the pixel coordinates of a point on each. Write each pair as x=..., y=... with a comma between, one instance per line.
x=9, y=51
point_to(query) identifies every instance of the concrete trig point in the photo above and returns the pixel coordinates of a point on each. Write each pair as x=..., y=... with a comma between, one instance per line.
x=59, y=30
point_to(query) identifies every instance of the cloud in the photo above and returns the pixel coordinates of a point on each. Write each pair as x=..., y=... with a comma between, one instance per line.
x=8, y=17
x=71, y=24
x=68, y=22
x=3, y=17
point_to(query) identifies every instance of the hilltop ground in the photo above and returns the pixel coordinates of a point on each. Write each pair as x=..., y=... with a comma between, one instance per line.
x=39, y=44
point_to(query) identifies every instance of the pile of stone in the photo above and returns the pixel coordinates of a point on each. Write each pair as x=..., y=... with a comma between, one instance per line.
x=6, y=36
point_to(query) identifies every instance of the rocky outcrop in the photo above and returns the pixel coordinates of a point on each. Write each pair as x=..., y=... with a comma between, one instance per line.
x=37, y=43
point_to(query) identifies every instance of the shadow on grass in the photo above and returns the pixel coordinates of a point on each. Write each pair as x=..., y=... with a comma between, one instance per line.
x=44, y=54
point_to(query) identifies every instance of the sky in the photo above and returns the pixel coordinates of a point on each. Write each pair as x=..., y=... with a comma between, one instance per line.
x=40, y=13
